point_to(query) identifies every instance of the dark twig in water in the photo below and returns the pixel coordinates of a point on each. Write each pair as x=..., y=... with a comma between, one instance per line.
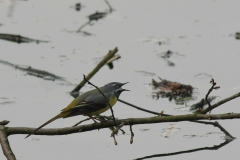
x=210, y=90
x=35, y=72
x=103, y=96
x=110, y=7
x=79, y=30
x=19, y=39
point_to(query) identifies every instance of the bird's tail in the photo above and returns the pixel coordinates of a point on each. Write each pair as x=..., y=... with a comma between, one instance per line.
x=53, y=119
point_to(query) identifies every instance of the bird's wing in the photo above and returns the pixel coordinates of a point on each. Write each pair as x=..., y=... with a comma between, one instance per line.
x=93, y=103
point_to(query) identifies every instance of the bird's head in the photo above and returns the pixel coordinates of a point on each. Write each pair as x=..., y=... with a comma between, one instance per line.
x=116, y=86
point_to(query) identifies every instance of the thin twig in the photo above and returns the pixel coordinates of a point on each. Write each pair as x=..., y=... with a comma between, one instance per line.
x=81, y=122
x=5, y=144
x=115, y=131
x=93, y=72
x=103, y=96
x=209, y=91
x=142, y=109
x=123, y=132
x=115, y=142
x=110, y=7
x=132, y=135
x=223, y=130
x=220, y=103
x=79, y=30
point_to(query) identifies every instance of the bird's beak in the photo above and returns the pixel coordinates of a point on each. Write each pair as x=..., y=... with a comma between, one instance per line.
x=125, y=90
x=124, y=84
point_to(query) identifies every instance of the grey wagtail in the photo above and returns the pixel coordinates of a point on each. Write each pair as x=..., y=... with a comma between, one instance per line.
x=90, y=103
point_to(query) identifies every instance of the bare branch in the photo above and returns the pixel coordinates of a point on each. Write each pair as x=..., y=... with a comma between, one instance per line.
x=94, y=71
x=130, y=121
x=4, y=122
x=132, y=135
x=216, y=124
x=220, y=103
x=210, y=90
x=5, y=144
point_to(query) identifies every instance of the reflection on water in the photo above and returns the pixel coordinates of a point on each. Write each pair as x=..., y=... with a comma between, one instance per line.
x=202, y=75
x=215, y=147
x=167, y=132
x=205, y=135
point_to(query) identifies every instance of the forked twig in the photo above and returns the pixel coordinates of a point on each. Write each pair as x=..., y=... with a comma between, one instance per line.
x=210, y=90
x=118, y=128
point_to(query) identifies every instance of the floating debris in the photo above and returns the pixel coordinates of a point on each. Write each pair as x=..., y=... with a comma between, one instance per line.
x=35, y=72
x=110, y=7
x=116, y=57
x=97, y=15
x=19, y=39
x=78, y=6
x=237, y=35
x=109, y=63
x=173, y=90
x=143, y=130
x=202, y=75
x=159, y=41
x=166, y=132
x=145, y=73
x=168, y=54
x=199, y=106
x=7, y=102
x=171, y=64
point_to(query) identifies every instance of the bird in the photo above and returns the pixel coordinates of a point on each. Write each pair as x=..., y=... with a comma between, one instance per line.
x=90, y=103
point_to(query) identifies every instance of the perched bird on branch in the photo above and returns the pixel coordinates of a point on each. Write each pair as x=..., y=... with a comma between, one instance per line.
x=90, y=103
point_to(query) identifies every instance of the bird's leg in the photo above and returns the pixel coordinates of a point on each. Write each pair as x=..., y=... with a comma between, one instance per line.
x=92, y=119
x=95, y=118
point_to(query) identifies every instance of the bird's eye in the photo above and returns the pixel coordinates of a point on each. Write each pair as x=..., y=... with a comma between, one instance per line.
x=117, y=85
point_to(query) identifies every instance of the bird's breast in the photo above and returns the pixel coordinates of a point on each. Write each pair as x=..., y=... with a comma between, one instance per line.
x=111, y=100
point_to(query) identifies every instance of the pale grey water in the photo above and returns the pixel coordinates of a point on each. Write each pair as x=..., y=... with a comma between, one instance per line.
x=199, y=30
